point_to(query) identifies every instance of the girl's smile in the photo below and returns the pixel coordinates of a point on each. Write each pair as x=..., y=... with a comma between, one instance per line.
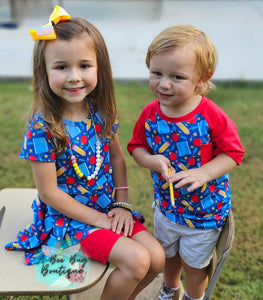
x=71, y=68
x=74, y=90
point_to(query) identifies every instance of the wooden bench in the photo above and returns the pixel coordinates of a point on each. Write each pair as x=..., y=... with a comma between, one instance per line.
x=16, y=278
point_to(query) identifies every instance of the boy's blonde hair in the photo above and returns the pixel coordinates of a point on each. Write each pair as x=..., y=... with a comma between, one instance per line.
x=181, y=35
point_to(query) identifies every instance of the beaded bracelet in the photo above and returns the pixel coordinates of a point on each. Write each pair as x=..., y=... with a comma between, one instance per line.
x=122, y=188
x=125, y=205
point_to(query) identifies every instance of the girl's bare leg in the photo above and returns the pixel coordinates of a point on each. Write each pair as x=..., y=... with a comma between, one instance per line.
x=157, y=259
x=132, y=262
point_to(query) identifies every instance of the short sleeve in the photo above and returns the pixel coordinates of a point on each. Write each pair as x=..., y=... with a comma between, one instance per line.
x=37, y=143
x=139, y=139
x=224, y=133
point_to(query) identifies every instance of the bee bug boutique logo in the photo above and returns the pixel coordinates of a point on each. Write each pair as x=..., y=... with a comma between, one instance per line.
x=61, y=268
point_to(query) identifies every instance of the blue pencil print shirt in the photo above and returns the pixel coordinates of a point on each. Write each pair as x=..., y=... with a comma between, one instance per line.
x=189, y=142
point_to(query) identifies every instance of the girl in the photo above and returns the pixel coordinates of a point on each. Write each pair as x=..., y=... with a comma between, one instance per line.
x=77, y=162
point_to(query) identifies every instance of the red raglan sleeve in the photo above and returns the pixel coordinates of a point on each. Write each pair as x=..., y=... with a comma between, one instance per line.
x=224, y=134
x=138, y=139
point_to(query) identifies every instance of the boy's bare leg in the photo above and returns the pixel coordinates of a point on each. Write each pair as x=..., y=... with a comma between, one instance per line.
x=172, y=270
x=196, y=281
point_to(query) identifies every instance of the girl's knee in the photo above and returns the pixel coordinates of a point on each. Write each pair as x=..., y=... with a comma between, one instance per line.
x=157, y=256
x=157, y=259
x=155, y=250
x=131, y=257
x=140, y=262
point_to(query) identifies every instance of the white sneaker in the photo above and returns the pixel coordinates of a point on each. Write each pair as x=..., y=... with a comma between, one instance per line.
x=167, y=293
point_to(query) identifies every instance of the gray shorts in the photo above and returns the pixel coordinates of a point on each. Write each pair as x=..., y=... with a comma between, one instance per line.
x=195, y=246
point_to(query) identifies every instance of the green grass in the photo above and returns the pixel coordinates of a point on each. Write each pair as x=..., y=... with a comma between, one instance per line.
x=242, y=274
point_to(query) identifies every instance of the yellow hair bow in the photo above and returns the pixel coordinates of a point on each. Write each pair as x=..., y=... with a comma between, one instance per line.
x=47, y=32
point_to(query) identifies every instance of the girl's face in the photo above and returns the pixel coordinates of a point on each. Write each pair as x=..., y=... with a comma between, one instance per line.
x=71, y=68
x=174, y=80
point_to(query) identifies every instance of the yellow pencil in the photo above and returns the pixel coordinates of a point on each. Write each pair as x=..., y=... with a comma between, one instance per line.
x=171, y=188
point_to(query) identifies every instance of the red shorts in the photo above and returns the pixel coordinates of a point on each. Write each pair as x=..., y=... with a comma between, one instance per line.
x=99, y=243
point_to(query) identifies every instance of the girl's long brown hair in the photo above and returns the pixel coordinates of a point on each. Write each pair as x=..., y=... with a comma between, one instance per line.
x=49, y=105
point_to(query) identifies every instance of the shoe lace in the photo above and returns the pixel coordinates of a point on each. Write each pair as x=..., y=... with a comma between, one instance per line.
x=166, y=294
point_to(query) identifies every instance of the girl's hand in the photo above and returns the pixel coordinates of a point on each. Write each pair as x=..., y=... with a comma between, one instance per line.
x=122, y=221
x=103, y=220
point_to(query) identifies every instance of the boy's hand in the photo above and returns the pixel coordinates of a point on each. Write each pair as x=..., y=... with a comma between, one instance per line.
x=161, y=164
x=192, y=179
x=195, y=178
x=156, y=162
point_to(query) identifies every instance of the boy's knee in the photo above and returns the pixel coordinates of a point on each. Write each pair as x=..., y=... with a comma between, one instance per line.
x=195, y=271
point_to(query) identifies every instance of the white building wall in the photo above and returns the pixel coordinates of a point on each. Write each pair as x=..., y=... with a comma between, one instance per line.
x=235, y=27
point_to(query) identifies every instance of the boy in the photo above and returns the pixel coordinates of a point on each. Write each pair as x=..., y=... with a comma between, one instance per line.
x=187, y=140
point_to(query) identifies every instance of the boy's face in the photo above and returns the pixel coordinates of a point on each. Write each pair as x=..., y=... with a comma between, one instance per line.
x=174, y=80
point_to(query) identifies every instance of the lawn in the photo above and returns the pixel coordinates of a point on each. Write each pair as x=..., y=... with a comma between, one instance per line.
x=242, y=274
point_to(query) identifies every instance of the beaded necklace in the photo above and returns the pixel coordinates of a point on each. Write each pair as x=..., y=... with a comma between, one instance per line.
x=98, y=156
